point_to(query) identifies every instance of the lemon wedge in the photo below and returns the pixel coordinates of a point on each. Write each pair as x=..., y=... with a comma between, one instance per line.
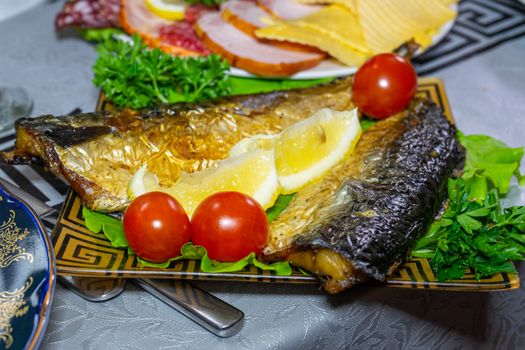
x=265, y=142
x=167, y=9
x=142, y=181
x=252, y=173
x=305, y=151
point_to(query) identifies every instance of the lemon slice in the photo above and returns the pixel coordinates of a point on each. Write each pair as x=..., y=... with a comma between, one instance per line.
x=167, y=9
x=252, y=173
x=142, y=181
x=265, y=142
x=306, y=150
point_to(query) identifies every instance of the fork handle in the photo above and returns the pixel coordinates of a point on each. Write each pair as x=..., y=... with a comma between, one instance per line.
x=210, y=312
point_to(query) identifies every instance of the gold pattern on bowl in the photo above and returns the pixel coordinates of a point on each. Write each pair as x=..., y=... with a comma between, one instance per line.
x=10, y=235
x=12, y=305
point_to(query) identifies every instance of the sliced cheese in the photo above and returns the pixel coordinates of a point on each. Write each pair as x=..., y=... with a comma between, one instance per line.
x=334, y=29
x=402, y=20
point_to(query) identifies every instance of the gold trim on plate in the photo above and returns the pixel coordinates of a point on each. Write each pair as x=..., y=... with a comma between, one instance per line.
x=12, y=304
x=10, y=235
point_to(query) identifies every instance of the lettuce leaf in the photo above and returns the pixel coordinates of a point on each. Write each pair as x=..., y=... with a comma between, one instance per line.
x=110, y=227
x=492, y=159
x=366, y=123
x=244, y=86
x=100, y=34
x=278, y=207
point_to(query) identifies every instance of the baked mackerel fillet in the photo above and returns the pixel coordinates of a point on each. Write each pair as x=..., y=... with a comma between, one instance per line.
x=98, y=153
x=355, y=224
x=359, y=222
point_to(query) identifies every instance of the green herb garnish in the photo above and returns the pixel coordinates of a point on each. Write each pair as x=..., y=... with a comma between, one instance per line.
x=278, y=207
x=112, y=229
x=492, y=159
x=100, y=34
x=133, y=75
x=244, y=86
x=366, y=123
x=474, y=231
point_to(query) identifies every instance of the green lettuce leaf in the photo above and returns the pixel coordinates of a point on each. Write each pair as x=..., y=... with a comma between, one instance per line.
x=114, y=232
x=281, y=203
x=244, y=86
x=281, y=268
x=366, y=123
x=493, y=159
x=100, y=34
x=111, y=227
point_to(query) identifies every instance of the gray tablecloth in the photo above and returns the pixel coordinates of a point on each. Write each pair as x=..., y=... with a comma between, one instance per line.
x=482, y=64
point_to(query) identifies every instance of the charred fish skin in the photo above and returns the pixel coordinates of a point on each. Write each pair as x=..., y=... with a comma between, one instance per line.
x=98, y=153
x=374, y=217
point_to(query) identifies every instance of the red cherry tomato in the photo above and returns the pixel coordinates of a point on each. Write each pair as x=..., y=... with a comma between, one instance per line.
x=156, y=226
x=230, y=225
x=384, y=85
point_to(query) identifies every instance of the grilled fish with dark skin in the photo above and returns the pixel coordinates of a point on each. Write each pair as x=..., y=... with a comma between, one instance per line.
x=361, y=219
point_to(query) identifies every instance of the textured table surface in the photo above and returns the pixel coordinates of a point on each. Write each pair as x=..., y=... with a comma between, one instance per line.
x=482, y=63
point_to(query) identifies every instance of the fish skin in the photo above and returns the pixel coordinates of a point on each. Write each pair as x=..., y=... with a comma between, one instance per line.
x=372, y=207
x=98, y=153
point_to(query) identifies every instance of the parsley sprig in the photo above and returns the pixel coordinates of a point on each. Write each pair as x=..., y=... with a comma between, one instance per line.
x=481, y=236
x=133, y=75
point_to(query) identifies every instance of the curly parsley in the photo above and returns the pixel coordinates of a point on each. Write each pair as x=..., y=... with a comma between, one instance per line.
x=133, y=75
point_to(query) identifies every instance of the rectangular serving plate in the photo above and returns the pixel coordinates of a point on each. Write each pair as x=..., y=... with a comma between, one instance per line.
x=80, y=252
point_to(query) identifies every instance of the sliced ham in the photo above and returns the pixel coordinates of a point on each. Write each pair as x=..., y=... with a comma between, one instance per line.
x=169, y=36
x=244, y=51
x=244, y=15
x=247, y=16
x=288, y=9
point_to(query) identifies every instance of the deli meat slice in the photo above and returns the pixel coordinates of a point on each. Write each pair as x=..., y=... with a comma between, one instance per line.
x=245, y=52
x=88, y=14
x=177, y=38
x=244, y=15
x=288, y=9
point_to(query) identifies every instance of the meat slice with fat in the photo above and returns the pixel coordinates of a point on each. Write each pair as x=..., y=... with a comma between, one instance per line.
x=246, y=52
x=176, y=38
x=288, y=9
x=244, y=15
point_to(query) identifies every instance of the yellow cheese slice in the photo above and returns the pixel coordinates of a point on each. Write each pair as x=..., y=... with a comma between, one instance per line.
x=291, y=32
x=334, y=29
x=387, y=24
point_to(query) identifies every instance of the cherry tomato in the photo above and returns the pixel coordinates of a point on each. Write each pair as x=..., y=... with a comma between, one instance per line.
x=384, y=85
x=230, y=225
x=156, y=226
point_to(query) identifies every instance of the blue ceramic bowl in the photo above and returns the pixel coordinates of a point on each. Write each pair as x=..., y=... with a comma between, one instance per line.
x=27, y=275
